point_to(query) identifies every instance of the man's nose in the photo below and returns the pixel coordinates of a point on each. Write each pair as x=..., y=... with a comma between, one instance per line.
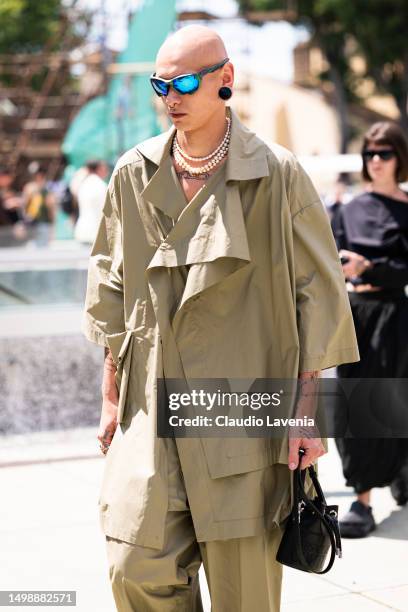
x=172, y=97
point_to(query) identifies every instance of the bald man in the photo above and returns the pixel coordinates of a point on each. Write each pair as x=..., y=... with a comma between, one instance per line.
x=214, y=260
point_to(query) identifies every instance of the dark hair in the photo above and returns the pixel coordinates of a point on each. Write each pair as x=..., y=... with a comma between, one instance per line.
x=93, y=165
x=41, y=171
x=388, y=133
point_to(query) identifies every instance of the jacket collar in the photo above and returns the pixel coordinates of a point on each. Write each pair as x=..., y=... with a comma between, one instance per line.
x=247, y=156
x=209, y=233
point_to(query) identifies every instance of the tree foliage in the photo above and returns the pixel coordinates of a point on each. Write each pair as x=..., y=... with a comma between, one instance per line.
x=378, y=30
x=28, y=26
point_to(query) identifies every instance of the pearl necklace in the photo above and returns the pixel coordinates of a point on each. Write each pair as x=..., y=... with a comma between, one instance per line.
x=216, y=158
x=197, y=159
x=201, y=169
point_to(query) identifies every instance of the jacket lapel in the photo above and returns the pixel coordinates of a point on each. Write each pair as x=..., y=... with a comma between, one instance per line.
x=247, y=160
x=208, y=234
x=247, y=156
x=161, y=192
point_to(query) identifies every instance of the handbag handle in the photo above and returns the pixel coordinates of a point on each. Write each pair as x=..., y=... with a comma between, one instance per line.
x=299, y=497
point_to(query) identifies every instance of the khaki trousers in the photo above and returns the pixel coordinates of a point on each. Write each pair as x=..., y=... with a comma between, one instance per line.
x=243, y=574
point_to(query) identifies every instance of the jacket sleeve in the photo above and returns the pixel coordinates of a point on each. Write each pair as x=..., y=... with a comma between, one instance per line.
x=324, y=320
x=337, y=225
x=104, y=305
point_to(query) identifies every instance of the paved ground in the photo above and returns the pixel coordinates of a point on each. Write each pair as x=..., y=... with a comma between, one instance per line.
x=50, y=537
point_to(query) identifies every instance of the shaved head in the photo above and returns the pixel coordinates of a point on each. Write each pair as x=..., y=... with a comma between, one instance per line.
x=188, y=51
x=192, y=48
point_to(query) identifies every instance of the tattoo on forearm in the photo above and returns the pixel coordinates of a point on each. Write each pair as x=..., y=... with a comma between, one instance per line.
x=309, y=375
x=307, y=381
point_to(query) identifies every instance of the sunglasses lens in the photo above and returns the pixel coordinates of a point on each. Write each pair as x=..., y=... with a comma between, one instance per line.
x=384, y=155
x=186, y=84
x=159, y=87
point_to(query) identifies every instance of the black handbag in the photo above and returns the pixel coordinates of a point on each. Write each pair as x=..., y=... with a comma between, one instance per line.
x=311, y=530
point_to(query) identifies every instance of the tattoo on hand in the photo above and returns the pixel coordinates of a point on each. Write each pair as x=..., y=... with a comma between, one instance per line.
x=109, y=364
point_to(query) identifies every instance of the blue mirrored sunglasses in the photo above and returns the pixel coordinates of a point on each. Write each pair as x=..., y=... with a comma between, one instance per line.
x=185, y=83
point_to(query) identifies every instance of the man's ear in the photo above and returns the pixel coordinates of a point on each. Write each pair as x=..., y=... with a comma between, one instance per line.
x=228, y=75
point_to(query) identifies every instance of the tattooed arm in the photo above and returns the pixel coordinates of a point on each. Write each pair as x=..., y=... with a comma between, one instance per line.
x=108, y=422
x=308, y=387
x=307, y=437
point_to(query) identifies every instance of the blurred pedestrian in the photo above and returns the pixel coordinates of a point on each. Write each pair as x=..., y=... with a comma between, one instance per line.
x=40, y=207
x=12, y=225
x=91, y=197
x=68, y=204
x=372, y=235
x=77, y=178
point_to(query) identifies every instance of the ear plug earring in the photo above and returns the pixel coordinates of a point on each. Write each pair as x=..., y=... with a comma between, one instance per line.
x=225, y=93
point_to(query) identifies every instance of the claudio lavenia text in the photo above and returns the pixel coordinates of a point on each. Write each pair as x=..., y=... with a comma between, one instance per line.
x=248, y=421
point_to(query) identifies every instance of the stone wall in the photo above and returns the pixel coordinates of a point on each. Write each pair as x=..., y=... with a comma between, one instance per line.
x=49, y=382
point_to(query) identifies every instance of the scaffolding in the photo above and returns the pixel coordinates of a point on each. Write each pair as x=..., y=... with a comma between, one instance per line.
x=33, y=121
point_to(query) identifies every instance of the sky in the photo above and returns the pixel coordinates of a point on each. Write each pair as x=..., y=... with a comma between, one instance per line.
x=264, y=50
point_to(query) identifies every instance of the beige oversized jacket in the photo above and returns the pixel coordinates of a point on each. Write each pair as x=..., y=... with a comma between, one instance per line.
x=242, y=282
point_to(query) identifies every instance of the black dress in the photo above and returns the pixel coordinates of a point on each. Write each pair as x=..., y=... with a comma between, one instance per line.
x=376, y=227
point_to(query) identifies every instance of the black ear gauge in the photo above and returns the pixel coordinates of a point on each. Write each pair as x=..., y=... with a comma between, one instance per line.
x=225, y=93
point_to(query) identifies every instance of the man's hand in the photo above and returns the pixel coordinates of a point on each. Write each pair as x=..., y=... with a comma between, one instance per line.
x=306, y=437
x=110, y=399
x=108, y=424
x=313, y=447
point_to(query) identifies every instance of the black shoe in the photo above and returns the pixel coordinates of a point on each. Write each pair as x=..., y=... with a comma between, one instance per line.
x=358, y=522
x=399, y=487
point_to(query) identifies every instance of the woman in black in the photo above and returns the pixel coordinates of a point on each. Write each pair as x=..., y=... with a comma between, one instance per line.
x=372, y=235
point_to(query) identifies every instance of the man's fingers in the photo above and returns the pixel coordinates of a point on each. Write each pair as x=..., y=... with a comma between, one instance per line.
x=311, y=455
x=307, y=459
x=105, y=436
x=313, y=450
x=293, y=458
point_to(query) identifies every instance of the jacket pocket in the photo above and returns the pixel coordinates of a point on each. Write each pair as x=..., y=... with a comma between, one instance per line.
x=229, y=456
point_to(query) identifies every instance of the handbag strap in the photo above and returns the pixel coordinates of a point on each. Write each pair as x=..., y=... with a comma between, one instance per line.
x=330, y=526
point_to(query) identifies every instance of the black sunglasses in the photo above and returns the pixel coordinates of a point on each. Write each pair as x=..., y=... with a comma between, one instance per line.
x=384, y=154
x=184, y=83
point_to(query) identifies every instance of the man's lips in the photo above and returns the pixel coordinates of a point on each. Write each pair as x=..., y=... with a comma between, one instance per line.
x=176, y=114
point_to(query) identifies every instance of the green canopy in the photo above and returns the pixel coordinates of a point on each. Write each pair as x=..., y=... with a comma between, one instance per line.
x=108, y=125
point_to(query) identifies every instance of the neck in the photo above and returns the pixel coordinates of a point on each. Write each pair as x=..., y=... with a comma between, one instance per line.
x=203, y=140
x=387, y=188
